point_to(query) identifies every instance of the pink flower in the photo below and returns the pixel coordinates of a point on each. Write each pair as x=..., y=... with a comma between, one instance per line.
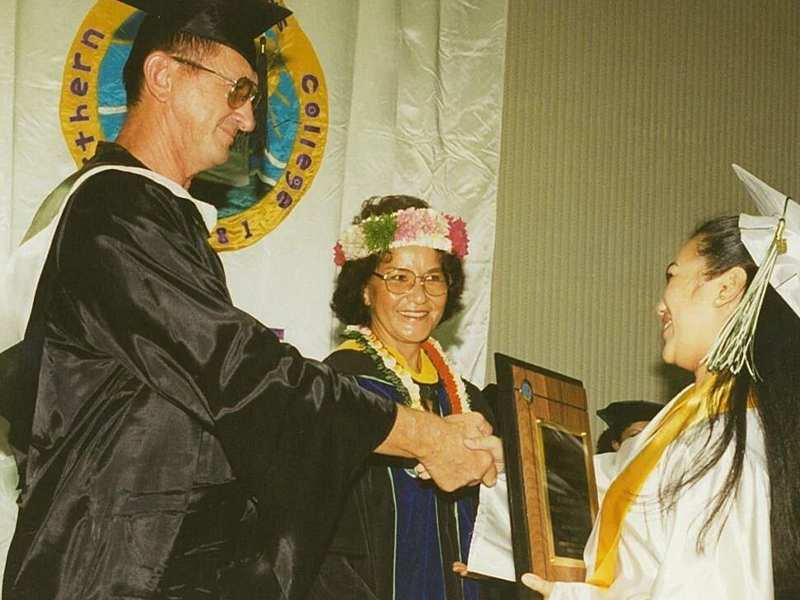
x=413, y=223
x=407, y=225
x=338, y=255
x=458, y=236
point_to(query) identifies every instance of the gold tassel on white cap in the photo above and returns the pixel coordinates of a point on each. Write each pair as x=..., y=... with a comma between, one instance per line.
x=733, y=347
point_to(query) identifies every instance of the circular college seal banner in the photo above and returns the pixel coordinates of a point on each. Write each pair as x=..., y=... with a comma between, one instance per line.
x=268, y=172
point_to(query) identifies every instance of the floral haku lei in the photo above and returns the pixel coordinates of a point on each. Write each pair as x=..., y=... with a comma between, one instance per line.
x=408, y=227
x=400, y=376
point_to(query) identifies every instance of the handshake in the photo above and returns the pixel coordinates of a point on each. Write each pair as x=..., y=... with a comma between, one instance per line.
x=454, y=451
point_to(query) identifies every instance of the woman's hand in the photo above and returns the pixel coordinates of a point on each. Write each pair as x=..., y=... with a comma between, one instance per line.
x=491, y=444
x=473, y=426
x=544, y=587
x=439, y=445
x=460, y=568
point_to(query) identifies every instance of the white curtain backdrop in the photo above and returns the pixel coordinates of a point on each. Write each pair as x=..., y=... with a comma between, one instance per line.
x=415, y=100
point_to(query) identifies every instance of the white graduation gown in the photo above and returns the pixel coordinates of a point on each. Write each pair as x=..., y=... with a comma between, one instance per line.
x=658, y=558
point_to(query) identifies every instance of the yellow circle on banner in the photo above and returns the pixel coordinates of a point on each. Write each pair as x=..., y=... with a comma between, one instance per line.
x=263, y=189
x=80, y=119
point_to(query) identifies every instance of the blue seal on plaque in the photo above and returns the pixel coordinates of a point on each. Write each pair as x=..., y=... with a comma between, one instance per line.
x=526, y=389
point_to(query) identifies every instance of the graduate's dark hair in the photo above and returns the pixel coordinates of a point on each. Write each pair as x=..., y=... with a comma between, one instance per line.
x=776, y=354
x=348, y=297
x=152, y=38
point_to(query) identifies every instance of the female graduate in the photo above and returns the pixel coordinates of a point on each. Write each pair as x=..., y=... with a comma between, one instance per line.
x=401, y=276
x=707, y=506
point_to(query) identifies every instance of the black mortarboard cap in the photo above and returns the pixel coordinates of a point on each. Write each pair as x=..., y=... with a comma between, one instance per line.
x=233, y=23
x=623, y=413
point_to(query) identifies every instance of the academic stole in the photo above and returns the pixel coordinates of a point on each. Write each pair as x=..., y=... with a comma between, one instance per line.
x=689, y=409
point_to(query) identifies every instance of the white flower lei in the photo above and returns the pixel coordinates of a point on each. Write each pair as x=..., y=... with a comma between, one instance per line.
x=392, y=364
x=412, y=389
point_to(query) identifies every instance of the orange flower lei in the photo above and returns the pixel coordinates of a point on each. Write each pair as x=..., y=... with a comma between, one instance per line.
x=453, y=384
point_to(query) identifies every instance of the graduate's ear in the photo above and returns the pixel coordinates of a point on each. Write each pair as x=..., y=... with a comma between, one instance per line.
x=158, y=70
x=732, y=284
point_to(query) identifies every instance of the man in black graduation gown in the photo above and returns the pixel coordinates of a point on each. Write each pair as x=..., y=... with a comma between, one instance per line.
x=169, y=446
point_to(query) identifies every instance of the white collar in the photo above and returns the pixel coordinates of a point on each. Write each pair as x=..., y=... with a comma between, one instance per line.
x=207, y=211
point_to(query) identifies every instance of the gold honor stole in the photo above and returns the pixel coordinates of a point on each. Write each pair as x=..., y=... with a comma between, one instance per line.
x=426, y=374
x=690, y=408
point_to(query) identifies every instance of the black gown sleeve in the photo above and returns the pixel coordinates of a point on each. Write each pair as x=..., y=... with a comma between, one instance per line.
x=479, y=404
x=352, y=362
x=134, y=264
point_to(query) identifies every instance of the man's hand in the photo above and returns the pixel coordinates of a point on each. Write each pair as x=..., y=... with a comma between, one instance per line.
x=439, y=445
x=490, y=443
x=451, y=464
x=473, y=424
x=477, y=436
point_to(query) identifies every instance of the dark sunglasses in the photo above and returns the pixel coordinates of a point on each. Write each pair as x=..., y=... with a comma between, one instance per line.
x=242, y=89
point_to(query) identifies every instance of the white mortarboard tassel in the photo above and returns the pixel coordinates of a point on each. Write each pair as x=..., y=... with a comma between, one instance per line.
x=773, y=241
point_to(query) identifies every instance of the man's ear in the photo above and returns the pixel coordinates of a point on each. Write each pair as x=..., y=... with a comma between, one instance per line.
x=732, y=284
x=158, y=71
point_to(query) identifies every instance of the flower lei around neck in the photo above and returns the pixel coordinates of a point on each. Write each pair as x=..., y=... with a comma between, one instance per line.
x=401, y=378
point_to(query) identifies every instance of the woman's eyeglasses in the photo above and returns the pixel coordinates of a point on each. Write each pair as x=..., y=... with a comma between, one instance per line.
x=400, y=281
x=242, y=89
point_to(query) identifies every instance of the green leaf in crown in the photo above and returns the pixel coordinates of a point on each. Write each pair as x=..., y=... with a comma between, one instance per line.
x=379, y=233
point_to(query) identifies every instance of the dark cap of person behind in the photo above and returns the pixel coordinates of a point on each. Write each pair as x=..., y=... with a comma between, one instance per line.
x=621, y=414
x=233, y=23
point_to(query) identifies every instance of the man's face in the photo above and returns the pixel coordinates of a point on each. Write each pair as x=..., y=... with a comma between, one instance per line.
x=204, y=124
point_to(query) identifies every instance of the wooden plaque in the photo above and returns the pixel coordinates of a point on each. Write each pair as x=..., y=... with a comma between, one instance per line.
x=551, y=485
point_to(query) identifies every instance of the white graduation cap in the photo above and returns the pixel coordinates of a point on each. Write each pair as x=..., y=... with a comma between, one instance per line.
x=773, y=241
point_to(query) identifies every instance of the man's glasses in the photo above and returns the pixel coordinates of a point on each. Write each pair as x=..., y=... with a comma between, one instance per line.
x=400, y=281
x=242, y=89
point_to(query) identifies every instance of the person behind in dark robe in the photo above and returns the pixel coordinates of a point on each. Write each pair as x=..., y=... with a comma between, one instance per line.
x=168, y=444
x=625, y=419
x=401, y=276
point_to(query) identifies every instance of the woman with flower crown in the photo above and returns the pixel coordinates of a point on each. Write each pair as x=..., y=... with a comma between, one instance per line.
x=401, y=276
x=706, y=505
